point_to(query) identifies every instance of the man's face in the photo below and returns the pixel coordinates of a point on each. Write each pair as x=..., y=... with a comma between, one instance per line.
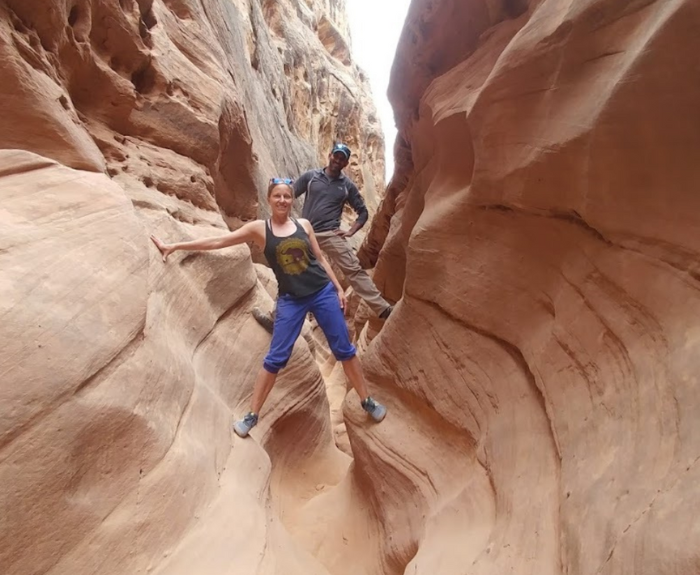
x=337, y=161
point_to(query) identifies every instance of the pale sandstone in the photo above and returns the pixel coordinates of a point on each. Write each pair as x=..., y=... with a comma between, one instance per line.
x=120, y=374
x=541, y=235
x=543, y=230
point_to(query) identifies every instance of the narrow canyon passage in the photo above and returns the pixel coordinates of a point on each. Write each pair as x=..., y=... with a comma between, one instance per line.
x=539, y=237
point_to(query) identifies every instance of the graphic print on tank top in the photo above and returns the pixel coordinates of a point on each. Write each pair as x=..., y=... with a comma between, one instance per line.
x=293, y=256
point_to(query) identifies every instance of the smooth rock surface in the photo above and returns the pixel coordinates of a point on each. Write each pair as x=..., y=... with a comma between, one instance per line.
x=542, y=230
x=541, y=235
x=120, y=374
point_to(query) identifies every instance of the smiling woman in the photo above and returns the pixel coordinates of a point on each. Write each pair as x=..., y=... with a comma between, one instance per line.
x=375, y=28
x=306, y=284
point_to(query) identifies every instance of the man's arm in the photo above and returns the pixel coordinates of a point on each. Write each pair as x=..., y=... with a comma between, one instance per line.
x=301, y=183
x=357, y=203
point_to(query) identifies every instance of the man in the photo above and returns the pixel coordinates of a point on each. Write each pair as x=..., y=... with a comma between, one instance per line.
x=327, y=190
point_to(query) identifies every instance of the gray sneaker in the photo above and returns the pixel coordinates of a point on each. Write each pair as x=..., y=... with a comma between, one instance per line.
x=374, y=408
x=243, y=426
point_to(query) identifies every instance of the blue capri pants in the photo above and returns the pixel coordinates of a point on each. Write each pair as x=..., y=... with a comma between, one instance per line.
x=289, y=320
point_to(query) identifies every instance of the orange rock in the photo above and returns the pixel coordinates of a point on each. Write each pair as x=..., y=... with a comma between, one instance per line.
x=120, y=375
x=545, y=236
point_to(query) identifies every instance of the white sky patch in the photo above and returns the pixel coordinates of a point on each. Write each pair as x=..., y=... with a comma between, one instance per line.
x=375, y=26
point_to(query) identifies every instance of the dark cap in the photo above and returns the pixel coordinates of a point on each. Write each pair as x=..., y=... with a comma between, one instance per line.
x=342, y=148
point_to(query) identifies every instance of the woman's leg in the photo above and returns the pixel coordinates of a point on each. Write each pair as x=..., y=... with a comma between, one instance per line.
x=326, y=309
x=263, y=386
x=331, y=320
x=289, y=320
x=353, y=370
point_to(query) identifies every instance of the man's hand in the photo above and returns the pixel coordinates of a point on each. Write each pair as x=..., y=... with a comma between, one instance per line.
x=349, y=233
x=164, y=249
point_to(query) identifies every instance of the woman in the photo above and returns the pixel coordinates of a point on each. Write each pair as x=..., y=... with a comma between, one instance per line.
x=306, y=284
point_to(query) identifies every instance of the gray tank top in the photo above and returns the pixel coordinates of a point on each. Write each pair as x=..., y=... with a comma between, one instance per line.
x=291, y=258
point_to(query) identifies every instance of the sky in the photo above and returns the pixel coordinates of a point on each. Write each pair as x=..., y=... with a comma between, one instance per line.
x=375, y=27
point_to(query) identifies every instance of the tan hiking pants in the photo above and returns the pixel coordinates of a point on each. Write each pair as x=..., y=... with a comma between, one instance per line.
x=340, y=253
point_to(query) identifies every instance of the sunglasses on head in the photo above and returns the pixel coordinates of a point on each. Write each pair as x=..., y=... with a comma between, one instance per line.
x=275, y=181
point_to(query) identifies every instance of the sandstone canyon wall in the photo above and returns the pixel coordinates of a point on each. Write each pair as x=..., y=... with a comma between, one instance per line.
x=119, y=375
x=540, y=234
x=542, y=231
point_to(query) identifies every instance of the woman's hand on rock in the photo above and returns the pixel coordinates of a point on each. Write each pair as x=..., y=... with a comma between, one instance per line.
x=164, y=249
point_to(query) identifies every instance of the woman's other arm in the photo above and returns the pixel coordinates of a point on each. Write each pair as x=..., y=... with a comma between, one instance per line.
x=321, y=258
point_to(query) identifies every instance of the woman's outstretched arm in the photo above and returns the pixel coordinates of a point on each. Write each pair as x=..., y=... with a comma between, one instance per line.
x=250, y=232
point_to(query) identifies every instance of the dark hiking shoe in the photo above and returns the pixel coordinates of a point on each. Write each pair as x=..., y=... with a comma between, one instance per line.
x=264, y=319
x=374, y=408
x=243, y=426
x=386, y=313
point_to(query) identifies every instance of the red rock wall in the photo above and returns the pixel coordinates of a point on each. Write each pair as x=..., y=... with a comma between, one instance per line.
x=543, y=233
x=119, y=374
x=228, y=92
x=540, y=235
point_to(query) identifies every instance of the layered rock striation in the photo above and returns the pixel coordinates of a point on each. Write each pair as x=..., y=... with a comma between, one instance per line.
x=542, y=233
x=119, y=374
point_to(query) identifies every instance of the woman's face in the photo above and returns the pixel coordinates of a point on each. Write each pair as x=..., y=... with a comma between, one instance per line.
x=280, y=199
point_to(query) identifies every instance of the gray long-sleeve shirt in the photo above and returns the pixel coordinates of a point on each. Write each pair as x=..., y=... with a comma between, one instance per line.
x=325, y=198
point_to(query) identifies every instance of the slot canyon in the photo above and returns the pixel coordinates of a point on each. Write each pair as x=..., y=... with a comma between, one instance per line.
x=539, y=235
